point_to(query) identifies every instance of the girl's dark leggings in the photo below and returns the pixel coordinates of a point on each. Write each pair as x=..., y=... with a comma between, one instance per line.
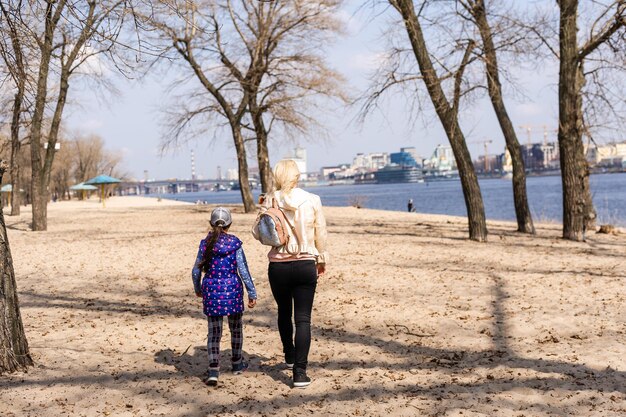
x=293, y=283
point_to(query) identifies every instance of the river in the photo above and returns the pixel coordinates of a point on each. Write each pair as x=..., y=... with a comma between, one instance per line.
x=446, y=197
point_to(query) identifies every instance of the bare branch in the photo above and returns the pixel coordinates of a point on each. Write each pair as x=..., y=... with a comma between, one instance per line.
x=609, y=28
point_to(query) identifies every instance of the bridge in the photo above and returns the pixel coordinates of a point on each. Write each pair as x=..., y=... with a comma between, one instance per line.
x=175, y=186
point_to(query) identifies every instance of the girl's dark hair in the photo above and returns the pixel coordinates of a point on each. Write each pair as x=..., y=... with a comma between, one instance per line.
x=211, y=240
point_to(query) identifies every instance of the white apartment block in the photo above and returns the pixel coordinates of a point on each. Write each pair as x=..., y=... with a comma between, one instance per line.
x=370, y=161
x=232, y=174
x=607, y=154
x=442, y=159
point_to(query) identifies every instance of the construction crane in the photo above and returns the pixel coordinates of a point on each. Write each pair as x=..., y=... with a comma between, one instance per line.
x=485, y=144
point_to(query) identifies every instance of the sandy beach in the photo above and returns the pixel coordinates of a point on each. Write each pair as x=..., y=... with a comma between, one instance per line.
x=412, y=319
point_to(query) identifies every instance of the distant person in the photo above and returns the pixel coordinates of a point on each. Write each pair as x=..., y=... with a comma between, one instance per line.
x=410, y=205
x=294, y=268
x=223, y=263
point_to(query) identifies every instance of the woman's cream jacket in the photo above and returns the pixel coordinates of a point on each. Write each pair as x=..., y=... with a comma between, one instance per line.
x=304, y=211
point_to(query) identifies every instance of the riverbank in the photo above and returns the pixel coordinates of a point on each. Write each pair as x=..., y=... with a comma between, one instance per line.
x=411, y=319
x=446, y=197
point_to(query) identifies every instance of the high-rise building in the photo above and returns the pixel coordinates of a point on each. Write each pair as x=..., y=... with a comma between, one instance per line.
x=360, y=162
x=442, y=159
x=379, y=160
x=232, y=174
x=299, y=156
x=407, y=157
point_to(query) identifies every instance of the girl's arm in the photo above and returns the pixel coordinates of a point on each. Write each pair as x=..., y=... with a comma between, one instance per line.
x=196, y=273
x=244, y=273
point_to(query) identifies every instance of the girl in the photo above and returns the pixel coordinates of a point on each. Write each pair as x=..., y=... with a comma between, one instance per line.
x=221, y=259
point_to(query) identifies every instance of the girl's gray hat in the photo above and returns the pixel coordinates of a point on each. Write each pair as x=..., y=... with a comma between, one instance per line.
x=221, y=217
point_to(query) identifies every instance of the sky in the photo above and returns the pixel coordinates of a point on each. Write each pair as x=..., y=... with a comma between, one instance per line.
x=129, y=122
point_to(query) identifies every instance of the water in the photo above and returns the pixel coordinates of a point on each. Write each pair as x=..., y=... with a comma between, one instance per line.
x=446, y=197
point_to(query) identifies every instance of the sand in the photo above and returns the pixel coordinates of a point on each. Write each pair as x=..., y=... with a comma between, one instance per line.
x=412, y=319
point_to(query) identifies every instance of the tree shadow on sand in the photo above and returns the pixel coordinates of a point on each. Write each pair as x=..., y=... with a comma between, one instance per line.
x=547, y=375
x=572, y=376
x=412, y=355
x=194, y=364
x=403, y=354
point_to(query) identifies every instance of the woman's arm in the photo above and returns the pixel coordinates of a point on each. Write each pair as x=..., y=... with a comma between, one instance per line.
x=244, y=273
x=320, y=232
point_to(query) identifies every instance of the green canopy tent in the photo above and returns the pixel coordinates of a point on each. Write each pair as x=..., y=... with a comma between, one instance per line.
x=101, y=181
x=83, y=187
x=7, y=188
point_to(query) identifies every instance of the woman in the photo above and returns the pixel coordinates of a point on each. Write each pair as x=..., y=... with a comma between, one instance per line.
x=294, y=268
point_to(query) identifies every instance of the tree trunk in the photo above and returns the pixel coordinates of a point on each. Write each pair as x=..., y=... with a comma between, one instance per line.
x=577, y=206
x=520, y=196
x=469, y=182
x=448, y=117
x=39, y=206
x=589, y=217
x=39, y=193
x=14, y=354
x=265, y=173
x=18, y=73
x=15, y=152
x=244, y=182
x=55, y=125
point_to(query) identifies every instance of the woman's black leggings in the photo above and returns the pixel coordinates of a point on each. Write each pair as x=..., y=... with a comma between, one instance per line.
x=293, y=283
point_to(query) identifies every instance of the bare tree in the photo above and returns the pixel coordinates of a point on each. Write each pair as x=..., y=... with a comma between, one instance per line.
x=186, y=31
x=606, y=31
x=89, y=157
x=284, y=70
x=261, y=63
x=14, y=353
x=447, y=111
x=61, y=174
x=68, y=35
x=81, y=158
x=14, y=50
x=86, y=152
x=479, y=17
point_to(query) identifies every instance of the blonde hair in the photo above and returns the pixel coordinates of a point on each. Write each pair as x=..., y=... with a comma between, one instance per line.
x=286, y=175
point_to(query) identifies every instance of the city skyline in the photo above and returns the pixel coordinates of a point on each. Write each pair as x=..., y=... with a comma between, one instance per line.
x=132, y=121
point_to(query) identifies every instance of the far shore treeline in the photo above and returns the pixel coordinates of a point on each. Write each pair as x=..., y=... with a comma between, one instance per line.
x=260, y=71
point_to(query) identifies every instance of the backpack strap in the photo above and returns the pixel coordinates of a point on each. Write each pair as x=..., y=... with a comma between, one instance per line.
x=291, y=226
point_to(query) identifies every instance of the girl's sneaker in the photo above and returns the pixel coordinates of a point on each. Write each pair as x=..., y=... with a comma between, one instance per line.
x=240, y=367
x=212, y=377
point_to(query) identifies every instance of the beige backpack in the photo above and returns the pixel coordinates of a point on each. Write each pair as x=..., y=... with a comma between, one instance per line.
x=273, y=226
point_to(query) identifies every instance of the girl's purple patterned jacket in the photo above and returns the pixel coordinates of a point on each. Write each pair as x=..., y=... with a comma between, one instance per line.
x=221, y=287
